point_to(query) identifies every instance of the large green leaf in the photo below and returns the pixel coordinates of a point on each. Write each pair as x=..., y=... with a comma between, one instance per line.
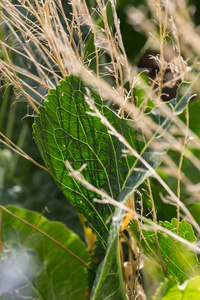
x=182, y=262
x=170, y=290
x=36, y=267
x=64, y=131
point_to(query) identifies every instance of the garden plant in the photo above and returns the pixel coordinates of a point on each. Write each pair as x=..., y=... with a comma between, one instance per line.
x=100, y=149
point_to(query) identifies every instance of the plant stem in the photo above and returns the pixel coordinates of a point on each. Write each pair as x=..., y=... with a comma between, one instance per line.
x=155, y=222
x=162, y=38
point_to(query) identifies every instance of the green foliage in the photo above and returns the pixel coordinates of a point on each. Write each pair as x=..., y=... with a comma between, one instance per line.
x=36, y=266
x=109, y=281
x=67, y=129
x=170, y=290
x=177, y=105
x=183, y=96
x=36, y=193
x=194, y=111
x=180, y=261
x=64, y=131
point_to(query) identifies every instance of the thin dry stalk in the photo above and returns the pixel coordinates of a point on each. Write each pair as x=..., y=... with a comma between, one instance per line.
x=8, y=143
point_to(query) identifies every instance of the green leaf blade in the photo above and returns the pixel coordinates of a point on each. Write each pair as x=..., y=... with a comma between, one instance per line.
x=182, y=262
x=64, y=131
x=169, y=290
x=109, y=280
x=182, y=99
x=39, y=267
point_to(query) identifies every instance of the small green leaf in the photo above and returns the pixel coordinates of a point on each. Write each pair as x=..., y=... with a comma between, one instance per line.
x=177, y=105
x=170, y=290
x=182, y=262
x=183, y=96
x=37, y=267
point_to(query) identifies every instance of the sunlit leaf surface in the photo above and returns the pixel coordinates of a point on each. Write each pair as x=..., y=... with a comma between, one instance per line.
x=64, y=131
